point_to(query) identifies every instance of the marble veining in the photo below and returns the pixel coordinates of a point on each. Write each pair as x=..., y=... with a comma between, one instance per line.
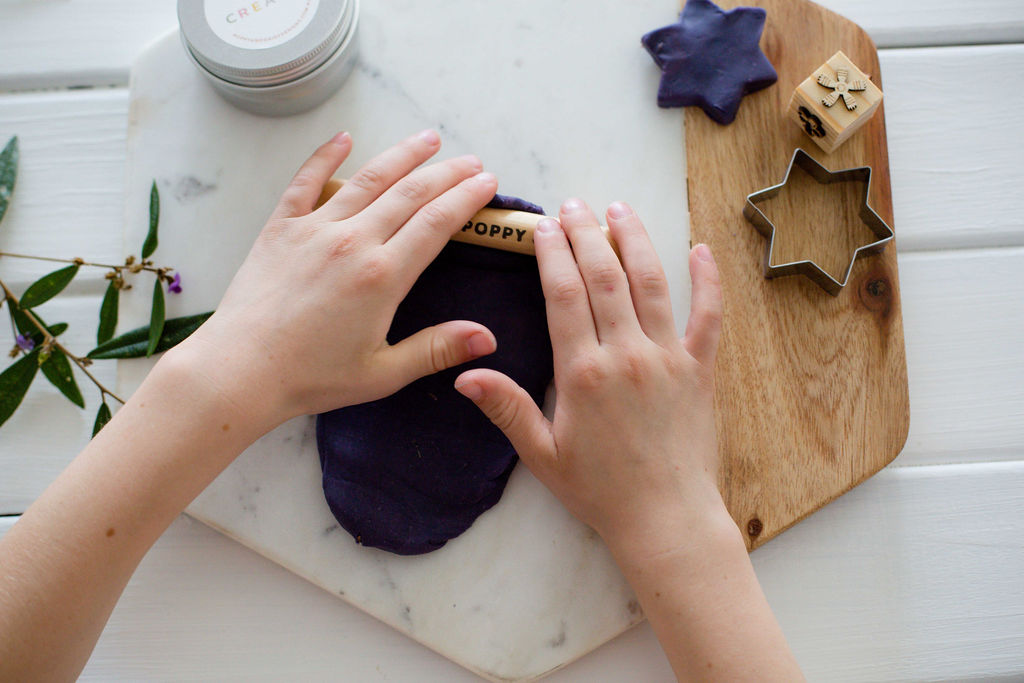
x=188, y=187
x=553, y=113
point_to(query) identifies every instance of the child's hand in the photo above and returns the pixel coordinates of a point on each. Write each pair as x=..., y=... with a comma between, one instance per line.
x=302, y=326
x=632, y=448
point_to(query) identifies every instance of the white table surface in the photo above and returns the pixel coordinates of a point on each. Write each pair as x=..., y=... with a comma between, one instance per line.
x=918, y=574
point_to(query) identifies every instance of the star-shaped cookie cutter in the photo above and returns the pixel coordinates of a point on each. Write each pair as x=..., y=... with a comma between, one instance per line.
x=809, y=268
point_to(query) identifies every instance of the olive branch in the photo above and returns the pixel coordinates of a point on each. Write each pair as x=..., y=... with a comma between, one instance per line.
x=37, y=344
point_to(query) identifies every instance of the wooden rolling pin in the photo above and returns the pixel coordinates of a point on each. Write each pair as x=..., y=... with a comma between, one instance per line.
x=496, y=228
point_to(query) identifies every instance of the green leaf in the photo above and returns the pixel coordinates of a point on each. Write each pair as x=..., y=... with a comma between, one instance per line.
x=56, y=330
x=8, y=173
x=22, y=322
x=26, y=327
x=149, y=246
x=14, y=383
x=156, y=318
x=57, y=369
x=102, y=418
x=135, y=343
x=48, y=286
x=108, y=314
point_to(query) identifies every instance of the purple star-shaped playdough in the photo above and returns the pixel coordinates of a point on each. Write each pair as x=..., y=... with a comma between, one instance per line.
x=710, y=58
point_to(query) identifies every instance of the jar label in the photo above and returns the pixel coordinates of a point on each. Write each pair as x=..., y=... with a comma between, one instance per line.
x=258, y=24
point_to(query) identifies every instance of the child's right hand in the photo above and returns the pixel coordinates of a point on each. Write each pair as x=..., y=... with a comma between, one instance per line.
x=632, y=449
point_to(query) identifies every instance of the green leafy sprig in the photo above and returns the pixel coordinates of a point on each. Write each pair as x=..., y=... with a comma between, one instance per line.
x=37, y=345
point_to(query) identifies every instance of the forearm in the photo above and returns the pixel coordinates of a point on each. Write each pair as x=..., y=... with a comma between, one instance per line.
x=64, y=564
x=703, y=600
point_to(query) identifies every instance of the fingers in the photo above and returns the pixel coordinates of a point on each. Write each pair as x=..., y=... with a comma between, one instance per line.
x=420, y=240
x=301, y=195
x=607, y=288
x=403, y=199
x=511, y=409
x=380, y=173
x=705, y=324
x=570, y=320
x=648, y=287
x=433, y=349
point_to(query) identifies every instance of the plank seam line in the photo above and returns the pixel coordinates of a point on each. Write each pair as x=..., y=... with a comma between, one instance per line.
x=974, y=465
x=10, y=86
x=886, y=47
x=959, y=463
x=988, y=249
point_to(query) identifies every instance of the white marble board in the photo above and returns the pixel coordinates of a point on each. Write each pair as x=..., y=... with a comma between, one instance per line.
x=557, y=99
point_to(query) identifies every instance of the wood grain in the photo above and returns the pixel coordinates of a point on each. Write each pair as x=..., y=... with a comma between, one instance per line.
x=811, y=390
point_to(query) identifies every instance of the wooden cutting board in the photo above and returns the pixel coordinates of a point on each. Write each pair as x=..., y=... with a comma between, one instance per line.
x=811, y=390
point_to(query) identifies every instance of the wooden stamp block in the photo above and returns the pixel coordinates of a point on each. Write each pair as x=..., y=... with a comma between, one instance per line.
x=834, y=102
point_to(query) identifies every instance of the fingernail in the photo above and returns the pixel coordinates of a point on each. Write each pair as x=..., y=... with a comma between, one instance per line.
x=571, y=205
x=547, y=226
x=341, y=138
x=430, y=136
x=471, y=390
x=619, y=210
x=485, y=178
x=479, y=345
x=472, y=160
x=704, y=253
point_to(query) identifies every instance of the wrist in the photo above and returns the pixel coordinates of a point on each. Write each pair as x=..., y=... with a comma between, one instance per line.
x=673, y=530
x=177, y=432
x=225, y=379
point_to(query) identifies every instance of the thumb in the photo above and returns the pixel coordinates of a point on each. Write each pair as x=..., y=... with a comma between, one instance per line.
x=436, y=348
x=511, y=409
x=705, y=324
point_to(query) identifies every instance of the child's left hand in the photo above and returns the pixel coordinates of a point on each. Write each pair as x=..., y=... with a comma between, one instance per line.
x=303, y=324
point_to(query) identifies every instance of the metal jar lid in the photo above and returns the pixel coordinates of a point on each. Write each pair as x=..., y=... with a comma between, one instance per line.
x=263, y=42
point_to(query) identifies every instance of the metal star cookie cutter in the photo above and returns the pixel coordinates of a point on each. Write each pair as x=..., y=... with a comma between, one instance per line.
x=809, y=268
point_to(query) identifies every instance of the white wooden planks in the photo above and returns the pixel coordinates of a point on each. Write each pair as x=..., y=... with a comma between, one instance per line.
x=60, y=43
x=935, y=22
x=890, y=582
x=954, y=145
x=963, y=319
x=55, y=43
x=914, y=575
x=68, y=201
x=47, y=430
x=69, y=197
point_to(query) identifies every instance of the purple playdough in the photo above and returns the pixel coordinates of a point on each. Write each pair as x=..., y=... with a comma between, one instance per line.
x=710, y=58
x=413, y=470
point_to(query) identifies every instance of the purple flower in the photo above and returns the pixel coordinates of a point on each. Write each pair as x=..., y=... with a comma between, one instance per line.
x=175, y=284
x=24, y=343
